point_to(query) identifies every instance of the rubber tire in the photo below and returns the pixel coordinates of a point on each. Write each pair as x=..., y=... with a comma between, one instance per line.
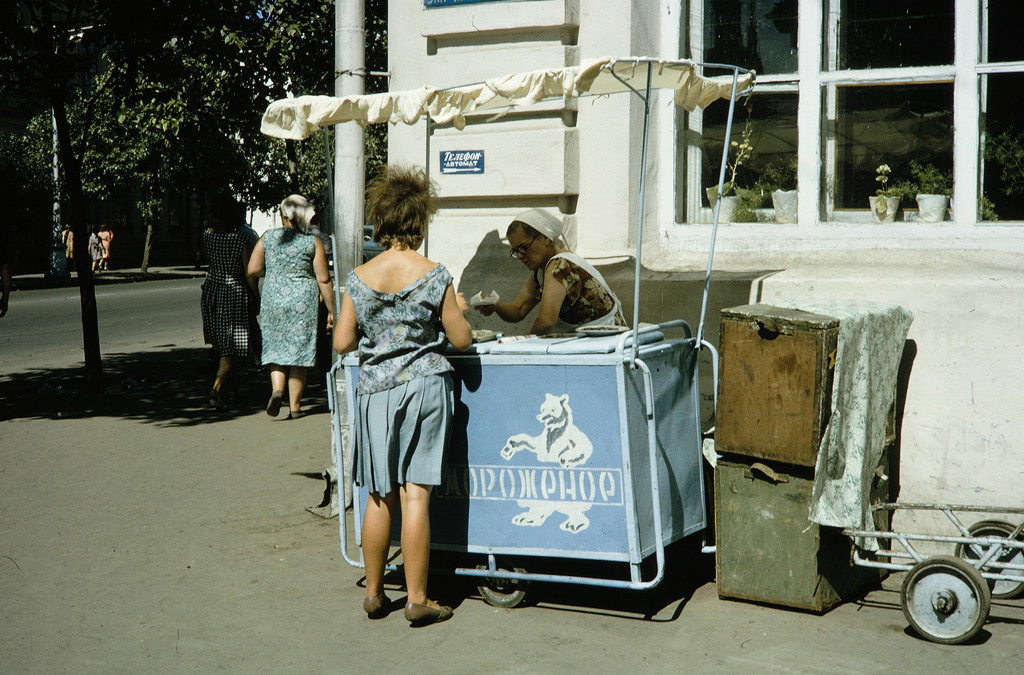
x=504, y=593
x=922, y=579
x=1000, y=588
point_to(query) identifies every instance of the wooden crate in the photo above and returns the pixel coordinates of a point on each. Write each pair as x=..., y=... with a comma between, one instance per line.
x=775, y=382
x=768, y=550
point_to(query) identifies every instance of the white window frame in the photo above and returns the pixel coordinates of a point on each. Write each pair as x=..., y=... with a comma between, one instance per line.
x=816, y=84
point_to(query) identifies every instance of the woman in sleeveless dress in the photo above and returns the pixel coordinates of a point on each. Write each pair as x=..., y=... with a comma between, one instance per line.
x=225, y=299
x=401, y=310
x=570, y=291
x=297, y=278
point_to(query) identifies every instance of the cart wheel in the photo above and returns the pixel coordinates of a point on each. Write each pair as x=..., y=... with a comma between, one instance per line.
x=945, y=599
x=505, y=593
x=1000, y=588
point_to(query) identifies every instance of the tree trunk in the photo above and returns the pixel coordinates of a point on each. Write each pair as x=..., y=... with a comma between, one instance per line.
x=86, y=286
x=145, y=248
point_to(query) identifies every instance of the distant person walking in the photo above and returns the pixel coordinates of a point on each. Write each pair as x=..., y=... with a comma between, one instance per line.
x=68, y=237
x=106, y=235
x=294, y=265
x=95, y=248
x=225, y=300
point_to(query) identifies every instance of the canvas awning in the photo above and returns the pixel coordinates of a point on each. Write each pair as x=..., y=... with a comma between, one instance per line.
x=297, y=118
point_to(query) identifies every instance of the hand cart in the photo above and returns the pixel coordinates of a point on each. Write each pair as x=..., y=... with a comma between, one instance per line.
x=947, y=598
x=632, y=481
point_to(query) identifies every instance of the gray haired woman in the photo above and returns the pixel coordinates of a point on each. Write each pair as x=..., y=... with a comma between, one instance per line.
x=294, y=265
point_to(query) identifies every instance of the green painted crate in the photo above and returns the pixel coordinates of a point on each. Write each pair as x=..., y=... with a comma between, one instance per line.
x=768, y=549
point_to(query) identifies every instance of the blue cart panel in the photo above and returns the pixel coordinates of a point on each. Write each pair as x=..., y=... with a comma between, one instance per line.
x=552, y=446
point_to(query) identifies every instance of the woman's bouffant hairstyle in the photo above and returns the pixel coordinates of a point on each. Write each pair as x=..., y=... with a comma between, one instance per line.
x=399, y=203
x=298, y=211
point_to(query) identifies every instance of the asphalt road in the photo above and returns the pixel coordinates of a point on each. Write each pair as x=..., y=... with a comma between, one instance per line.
x=44, y=327
x=142, y=532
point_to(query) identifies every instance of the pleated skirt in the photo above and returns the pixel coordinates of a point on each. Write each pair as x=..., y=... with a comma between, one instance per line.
x=400, y=434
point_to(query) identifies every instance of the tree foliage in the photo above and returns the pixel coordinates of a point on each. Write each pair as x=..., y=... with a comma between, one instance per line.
x=154, y=96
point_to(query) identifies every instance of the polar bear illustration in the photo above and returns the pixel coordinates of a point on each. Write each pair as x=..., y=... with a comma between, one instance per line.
x=561, y=442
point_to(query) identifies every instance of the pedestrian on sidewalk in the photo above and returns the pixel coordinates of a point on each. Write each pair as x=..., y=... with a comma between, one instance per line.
x=402, y=310
x=106, y=235
x=95, y=248
x=295, y=265
x=225, y=299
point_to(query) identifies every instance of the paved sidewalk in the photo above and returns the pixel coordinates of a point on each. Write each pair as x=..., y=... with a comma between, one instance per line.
x=142, y=532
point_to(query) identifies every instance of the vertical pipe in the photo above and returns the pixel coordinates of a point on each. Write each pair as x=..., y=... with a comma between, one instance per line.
x=333, y=231
x=349, y=160
x=640, y=217
x=426, y=167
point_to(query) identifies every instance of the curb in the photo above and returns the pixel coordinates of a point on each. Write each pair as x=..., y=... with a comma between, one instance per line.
x=31, y=282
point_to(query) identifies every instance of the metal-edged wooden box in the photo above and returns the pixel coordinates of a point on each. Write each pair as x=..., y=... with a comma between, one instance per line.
x=768, y=549
x=775, y=382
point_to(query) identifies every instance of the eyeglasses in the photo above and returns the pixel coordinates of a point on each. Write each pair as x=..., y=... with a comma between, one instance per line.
x=521, y=250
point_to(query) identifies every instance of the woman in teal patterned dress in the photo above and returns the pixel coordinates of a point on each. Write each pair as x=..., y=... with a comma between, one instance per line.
x=297, y=278
x=401, y=310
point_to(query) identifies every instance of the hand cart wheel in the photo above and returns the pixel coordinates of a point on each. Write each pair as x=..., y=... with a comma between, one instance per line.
x=1000, y=588
x=505, y=593
x=945, y=599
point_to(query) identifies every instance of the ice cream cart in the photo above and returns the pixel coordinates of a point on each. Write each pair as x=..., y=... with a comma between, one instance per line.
x=585, y=446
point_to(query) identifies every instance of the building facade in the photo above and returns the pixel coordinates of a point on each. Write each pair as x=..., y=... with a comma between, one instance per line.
x=853, y=97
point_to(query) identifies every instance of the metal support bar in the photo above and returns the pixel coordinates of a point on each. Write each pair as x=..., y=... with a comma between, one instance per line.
x=640, y=215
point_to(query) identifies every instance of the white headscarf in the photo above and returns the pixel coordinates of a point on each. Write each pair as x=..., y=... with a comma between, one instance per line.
x=543, y=222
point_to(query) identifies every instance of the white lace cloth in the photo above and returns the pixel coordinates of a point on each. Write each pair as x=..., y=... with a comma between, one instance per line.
x=871, y=337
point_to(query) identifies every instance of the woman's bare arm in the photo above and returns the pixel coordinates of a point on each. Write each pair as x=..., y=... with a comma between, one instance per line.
x=453, y=318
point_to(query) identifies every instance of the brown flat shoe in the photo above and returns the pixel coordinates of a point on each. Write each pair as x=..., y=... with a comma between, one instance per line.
x=376, y=606
x=424, y=615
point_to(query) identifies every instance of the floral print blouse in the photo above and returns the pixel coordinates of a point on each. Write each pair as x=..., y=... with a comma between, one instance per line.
x=402, y=336
x=586, y=299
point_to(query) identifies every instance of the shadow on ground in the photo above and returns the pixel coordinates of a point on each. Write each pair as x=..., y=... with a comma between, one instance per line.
x=686, y=570
x=169, y=388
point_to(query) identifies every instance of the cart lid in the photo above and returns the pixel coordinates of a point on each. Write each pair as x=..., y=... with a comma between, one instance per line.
x=297, y=118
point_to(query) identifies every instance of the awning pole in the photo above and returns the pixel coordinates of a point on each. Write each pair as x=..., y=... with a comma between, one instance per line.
x=718, y=206
x=640, y=218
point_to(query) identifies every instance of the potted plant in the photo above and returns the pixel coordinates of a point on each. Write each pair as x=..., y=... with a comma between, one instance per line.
x=779, y=181
x=730, y=197
x=931, y=188
x=886, y=201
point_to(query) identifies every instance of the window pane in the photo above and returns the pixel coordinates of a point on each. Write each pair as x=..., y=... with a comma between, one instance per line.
x=769, y=123
x=892, y=125
x=757, y=34
x=895, y=33
x=1003, y=26
x=1002, y=185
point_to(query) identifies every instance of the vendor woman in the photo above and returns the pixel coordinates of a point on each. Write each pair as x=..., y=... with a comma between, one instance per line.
x=570, y=292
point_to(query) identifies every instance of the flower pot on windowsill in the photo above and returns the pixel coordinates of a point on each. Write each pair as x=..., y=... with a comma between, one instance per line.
x=784, y=202
x=884, y=208
x=728, y=211
x=932, y=208
x=729, y=205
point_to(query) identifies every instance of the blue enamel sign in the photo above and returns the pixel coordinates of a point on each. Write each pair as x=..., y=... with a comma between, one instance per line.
x=461, y=161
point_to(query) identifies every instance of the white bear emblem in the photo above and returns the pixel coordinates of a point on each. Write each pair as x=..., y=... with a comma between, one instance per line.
x=561, y=442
